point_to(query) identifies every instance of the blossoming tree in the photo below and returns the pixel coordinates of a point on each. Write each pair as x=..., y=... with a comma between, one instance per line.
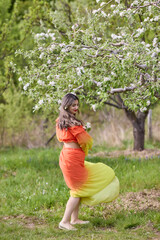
x=110, y=55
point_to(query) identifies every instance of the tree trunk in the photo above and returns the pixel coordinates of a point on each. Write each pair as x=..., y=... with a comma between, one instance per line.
x=150, y=124
x=138, y=123
x=139, y=134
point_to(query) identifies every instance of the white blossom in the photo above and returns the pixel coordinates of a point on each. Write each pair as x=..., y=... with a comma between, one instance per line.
x=156, y=18
x=140, y=31
x=117, y=1
x=20, y=79
x=59, y=101
x=94, y=11
x=143, y=109
x=74, y=26
x=146, y=19
x=99, y=84
x=106, y=79
x=148, y=103
x=41, y=55
x=43, y=192
x=102, y=4
x=52, y=36
x=26, y=86
x=112, y=6
x=155, y=42
x=103, y=13
x=80, y=70
x=49, y=61
x=41, y=36
x=36, y=107
x=97, y=1
x=149, y=8
x=148, y=45
x=52, y=47
x=153, y=55
x=115, y=11
x=122, y=13
x=114, y=36
x=41, y=102
x=56, y=76
x=113, y=74
x=40, y=82
x=134, y=3
x=99, y=39
x=62, y=44
x=64, y=50
x=88, y=125
x=93, y=107
x=52, y=83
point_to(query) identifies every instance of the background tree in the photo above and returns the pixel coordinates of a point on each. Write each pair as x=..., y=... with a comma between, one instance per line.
x=103, y=64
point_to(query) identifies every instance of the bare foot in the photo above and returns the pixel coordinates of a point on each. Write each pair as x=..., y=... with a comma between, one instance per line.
x=66, y=226
x=78, y=221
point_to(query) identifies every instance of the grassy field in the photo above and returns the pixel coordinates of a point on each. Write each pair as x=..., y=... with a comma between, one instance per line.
x=33, y=195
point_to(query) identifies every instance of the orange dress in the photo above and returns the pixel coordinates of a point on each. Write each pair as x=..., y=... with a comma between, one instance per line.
x=92, y=182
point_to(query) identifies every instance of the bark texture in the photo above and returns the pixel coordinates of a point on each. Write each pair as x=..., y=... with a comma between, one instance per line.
x=138, y=122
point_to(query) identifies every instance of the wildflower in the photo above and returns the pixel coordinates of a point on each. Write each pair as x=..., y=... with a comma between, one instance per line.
x=49, y=61
x=20, y=79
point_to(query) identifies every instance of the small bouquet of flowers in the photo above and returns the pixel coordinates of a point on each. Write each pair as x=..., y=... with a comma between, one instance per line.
x=87, y=127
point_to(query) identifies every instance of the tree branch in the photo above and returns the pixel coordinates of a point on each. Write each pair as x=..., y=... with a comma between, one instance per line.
x=113, y=105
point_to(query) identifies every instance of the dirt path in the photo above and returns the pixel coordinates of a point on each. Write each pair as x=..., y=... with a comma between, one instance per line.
x=147, y=153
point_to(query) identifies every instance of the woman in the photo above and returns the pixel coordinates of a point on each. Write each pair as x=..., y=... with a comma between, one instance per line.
x=90, y=183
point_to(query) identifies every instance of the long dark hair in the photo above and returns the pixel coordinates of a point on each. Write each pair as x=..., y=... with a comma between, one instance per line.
x=67, y=119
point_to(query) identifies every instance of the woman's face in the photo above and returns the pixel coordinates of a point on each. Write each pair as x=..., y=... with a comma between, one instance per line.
x=74, y=107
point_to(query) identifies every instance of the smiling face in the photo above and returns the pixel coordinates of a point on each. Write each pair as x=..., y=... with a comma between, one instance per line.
x=74, y=107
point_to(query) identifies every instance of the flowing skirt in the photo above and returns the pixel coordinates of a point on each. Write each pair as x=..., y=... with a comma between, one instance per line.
x=94, y=183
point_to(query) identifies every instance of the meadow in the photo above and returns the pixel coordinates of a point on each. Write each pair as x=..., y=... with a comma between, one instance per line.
x=33, y=195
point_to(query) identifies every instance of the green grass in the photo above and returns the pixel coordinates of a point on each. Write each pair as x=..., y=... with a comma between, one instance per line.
x=33, y=195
